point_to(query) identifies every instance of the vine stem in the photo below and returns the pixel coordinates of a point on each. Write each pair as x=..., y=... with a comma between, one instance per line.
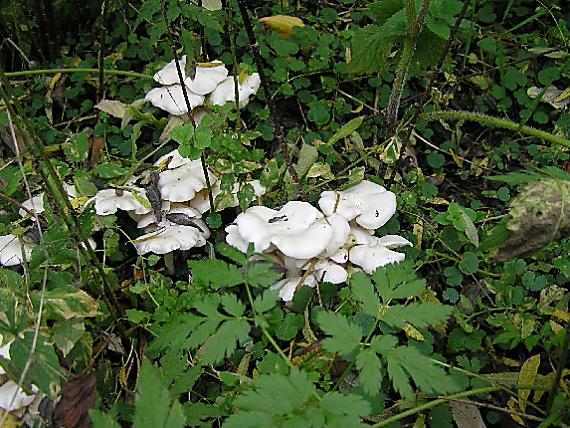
x=497, y=122
x=254, y=45
x=435, y=403
x=47, y=71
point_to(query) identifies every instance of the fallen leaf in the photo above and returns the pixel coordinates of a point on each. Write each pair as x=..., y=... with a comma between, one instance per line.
x=113, y=107
x=467, y=415
x=77, y=399
x=557, y=98
x=527, y=376
x=282, y=24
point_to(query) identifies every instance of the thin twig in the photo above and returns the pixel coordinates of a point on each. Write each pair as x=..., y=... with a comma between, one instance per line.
x=497, y=408
x=20, y=206
x=279, y=134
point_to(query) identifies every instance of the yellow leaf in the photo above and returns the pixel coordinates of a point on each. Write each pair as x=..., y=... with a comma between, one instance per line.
x=527, y=376
x=282, y=24
x=509, y=362
x=413, y=332
x=512, y=405
x=10, y=422
x=561, y=315
x=555, y=326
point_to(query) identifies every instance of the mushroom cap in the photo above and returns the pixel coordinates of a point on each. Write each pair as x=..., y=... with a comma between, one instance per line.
x=11, y=253
x=377, y=252
x=144, y=220
x=341, y=230
x=108, y=201
x=201, y=201
x=370, y=204
x=181, y=184
x=5, y=353
x=169, y=74
x=225, y=92
x=170, y=237
x=207, y=77
x=10, y=390
x=328, y=271
x=234, y=238
x=288, y=285
x=36, y=203
x=293, y=229
x=171, y=99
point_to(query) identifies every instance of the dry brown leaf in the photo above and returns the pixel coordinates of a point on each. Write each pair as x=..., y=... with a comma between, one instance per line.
x=77, y=399
x=467, y=415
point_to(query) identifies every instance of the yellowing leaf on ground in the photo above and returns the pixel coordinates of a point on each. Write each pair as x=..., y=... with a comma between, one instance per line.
x=561, y=315
x=527, y=376
x=282, y=24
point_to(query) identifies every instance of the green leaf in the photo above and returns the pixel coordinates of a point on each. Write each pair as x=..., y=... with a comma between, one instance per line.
x=183, y=134
x=397, y=280
x=154, y=407
x=103, y=420
x=215, y=273
x=262, y=275
x=307, y=157
x=232, y=253
x=364, y=292
x=339, y=404
x=223, y=343
x=67, y=302
x=369, y=365
x=347, y=129
x=266, y=301
x=406, y=362
x=232, y=305
x=345, y=334
x=384, y=343
x=110, y=170
x=418, y=314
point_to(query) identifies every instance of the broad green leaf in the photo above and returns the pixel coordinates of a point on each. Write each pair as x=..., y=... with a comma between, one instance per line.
x=68, y=302
x=365, y=293
x=154, y=408
x=369, y=365
x=307, y=157
x=345, y=334
x=347, y=129
x=418, y=314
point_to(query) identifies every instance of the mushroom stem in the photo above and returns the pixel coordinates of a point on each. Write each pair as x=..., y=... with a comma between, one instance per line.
x=169, y=262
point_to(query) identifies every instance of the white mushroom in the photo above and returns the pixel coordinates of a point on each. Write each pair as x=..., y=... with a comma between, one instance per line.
x=171, y=99
x=174, y=158
x=182, y=183
x=13, y=398
x=370, y=204
x=171, y=237
x=328, y=271
x=377, y=252
x=298, y=229
x=207, y=77
x=169, y=73
x=36, y=203
x=13, y=251
x=225, y=92
x=108, y=201
x=289, y=285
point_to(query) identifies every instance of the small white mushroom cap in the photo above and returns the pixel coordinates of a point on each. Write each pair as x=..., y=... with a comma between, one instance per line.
x=36, y=203
x=171, y=99
x=11, y=391
x=341, y=230
x=207, y=77
x=5, y=353
x=11, y=253
x=169, y=73
x=171, y=237
x=328, y=271
x=108, y=201
x=289, y=285
x=181, y=184
x=370, y=204
x=144, y=220
x=378, y=252
x=225, y=92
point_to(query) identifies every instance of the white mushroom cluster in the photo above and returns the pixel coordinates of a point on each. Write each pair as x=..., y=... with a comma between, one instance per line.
x=21, y=406
x=210, y=81
x=312, y=245
x=169, y=211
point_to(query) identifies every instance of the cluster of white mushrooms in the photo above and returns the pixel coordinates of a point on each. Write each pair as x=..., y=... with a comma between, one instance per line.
x=312, y=245
x=13, y=399
x=210, y=80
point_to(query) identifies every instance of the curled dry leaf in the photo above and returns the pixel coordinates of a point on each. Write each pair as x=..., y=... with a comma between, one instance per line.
x=282, y=24
x=540, y=214
x=77, y=399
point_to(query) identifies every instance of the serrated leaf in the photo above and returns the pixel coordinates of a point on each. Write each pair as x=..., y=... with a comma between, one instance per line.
x=266, y=301
x=369, y=365
x=216, y=273
x=262, y=275
x=232, y=305
x=406, y=362
x=339, y=404
x=418, y=314
x=365, y=293
x=390, y=277
x=224, y=341
x=383, y=343
x=345, y=334
x=154, y=407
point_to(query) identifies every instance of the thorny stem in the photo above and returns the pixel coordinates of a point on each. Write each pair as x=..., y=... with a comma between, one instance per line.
x=188, y=106
x=254, y=45
x=40, y=72
x=434, y=75
x=413, y=29
x=486, y=119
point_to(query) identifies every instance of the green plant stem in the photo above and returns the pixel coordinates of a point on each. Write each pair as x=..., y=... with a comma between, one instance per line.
x=497, y=122
x=47, y=71
x=435, y=403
